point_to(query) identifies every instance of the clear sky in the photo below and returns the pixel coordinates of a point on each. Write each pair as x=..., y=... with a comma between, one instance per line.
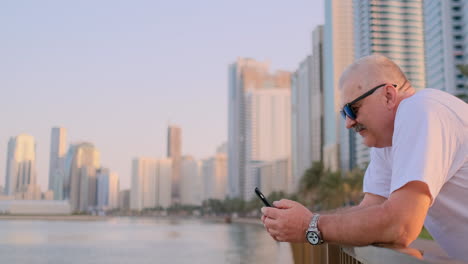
x=115, y=73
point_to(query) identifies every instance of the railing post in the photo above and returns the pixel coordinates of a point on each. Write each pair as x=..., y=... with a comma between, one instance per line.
x=333, y=254
x=304, y=253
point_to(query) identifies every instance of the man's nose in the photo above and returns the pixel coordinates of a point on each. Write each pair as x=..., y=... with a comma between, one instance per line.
x=350, y=122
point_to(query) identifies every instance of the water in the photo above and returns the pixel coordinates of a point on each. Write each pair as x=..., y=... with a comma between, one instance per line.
x=136, y=240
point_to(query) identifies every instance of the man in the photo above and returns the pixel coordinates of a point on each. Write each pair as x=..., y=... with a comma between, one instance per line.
x=418, y=172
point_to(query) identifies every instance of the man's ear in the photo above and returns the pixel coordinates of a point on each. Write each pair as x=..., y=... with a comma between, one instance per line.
x=390, y=96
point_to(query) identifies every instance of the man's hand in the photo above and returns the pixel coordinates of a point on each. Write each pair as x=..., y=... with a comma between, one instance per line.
x=288, y=221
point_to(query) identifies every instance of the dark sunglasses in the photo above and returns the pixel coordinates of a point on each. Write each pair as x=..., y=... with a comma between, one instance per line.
x=348, y=109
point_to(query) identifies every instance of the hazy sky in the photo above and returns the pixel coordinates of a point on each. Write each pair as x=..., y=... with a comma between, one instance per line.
x=115, y=73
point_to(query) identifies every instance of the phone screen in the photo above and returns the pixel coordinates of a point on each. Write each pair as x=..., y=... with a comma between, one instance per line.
x=262, y=197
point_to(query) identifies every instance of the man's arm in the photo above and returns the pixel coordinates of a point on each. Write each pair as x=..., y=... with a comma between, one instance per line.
x=303, y=221
x=368, y=200
x=397, y=220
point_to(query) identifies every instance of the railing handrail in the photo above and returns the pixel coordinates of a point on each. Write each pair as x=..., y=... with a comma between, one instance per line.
x=304, y=253
x=373, y=254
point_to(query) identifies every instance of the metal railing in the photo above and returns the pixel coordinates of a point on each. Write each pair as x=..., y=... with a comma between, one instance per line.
x=334, y=254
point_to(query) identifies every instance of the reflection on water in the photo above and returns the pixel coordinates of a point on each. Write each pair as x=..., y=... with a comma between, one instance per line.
x=135, y=240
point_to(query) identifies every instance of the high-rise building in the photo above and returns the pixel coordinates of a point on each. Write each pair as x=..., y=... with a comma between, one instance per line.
x=245, y=75
x=267, y=131
x=142, y=192
x=307, y=111
x=151, y=183
x=317, y=84
x=465, y=33
x=191, y=184
x=124, y=199
x=214, y=171
x=301, y=120
x=275, y=176
x=163, y=183
x=394, y=29
x=446, y=36
x=174, y=152
x=20, y=179
x=174, y=142
x=107, y=189
x=57, y=161
x=81, y=163
x=338, y=54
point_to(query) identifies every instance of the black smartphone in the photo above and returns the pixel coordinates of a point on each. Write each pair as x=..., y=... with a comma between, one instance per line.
x=262, y=197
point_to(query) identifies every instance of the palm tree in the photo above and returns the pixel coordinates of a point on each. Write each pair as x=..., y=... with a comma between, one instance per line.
x=332, y=192
x=310, y=182
x=353, y=186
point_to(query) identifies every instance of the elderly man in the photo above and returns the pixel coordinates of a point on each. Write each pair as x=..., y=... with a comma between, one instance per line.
x=418, y=172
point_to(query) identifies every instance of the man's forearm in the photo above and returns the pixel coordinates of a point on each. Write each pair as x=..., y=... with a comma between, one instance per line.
x=343, y=210
x=359, y=226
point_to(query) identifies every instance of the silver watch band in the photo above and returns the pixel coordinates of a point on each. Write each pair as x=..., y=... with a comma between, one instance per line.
x=314, y=221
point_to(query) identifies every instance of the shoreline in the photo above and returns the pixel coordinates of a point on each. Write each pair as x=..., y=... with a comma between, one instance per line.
x=55, y=217
x=240, y=220
x=254, y=221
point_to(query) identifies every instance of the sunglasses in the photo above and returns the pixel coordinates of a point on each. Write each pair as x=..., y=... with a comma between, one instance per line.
x=348, y=108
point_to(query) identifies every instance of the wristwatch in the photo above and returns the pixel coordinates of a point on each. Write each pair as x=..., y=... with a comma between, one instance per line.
x=313, y=234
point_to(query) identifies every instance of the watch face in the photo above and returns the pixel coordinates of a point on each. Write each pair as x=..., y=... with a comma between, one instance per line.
x=313, y=238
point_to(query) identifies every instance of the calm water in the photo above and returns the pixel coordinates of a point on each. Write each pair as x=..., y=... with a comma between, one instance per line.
x=135, y=240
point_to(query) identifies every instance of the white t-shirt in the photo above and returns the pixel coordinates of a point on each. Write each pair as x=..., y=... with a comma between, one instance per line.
x=429, y=144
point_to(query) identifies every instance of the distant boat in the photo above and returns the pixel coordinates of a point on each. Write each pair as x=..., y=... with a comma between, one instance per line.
x=227, y=219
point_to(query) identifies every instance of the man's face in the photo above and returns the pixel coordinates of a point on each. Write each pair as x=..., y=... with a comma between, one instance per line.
x=372, y=119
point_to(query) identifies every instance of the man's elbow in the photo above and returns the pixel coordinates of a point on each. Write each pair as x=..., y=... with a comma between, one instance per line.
x=402, y=229
x=405, y=235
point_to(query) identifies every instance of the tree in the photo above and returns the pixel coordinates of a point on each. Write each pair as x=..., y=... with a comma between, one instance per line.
x=323, y=190
x=353, y=186
x=310, y=182
x=332, y=193
x=463, y=70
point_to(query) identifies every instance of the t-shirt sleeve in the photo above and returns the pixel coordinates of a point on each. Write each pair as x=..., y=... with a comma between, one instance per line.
x=423, y=147
x=378, y=174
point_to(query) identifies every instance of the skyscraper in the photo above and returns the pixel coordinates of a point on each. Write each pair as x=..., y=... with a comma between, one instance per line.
x=142, y=192
x=191, y=185
x=394, y=29
x=338, y=54
x=316, y=94
x=80, y=188
x=57, y=161
x=107, y=189
x=275, y=176
x=214, y=172
x=163, y=183
x=174, y=152
x=267, y=131
x=301, y=121
x=446, y=36
x=174, y=142
x=21, y=168
x=307, y=111
x=245, y=75
x=151, y=183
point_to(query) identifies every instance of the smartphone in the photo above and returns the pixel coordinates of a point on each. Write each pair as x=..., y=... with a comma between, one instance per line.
x=262, y=197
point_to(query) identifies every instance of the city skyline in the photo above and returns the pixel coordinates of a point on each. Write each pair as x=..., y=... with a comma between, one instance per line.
x=118, y=77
